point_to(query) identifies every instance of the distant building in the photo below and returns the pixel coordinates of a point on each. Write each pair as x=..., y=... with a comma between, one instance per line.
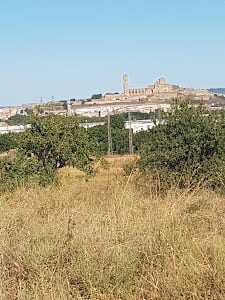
x=146, y=99
x=159, y=91
x=7, y=112
x=103, y=109
x=139, y=125
x=135, y=125
x=15, y=129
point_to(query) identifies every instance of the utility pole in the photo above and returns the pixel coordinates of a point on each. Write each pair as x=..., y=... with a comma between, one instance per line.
x=131, y=148
x=110, y=148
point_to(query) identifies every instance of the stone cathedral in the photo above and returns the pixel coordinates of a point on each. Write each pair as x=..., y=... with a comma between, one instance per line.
x=160, y=90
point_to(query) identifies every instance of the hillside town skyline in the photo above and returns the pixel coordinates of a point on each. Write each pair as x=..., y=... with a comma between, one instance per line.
x=157, y=95
x=106, y=94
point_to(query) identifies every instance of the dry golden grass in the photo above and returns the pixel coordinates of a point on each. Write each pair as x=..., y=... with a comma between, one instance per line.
x=107, y=239
x=4, y=154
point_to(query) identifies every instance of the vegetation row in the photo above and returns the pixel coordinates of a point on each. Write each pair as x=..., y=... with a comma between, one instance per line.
x=185, y=149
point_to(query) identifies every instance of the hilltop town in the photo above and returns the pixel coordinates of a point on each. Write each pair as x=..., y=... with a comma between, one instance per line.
x=145, y=99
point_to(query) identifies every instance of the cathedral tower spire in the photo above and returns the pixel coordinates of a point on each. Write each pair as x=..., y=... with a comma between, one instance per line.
x=125, y=85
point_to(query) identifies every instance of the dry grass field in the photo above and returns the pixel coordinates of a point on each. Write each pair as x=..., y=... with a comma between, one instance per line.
x=108, y=238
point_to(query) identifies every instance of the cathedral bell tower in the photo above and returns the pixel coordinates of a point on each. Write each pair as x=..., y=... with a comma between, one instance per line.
x=125, y=85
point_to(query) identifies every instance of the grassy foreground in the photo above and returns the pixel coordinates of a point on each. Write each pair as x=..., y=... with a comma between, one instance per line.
x=109, y=239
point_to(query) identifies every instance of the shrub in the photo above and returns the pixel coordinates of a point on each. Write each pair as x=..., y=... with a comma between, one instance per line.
x=18, y=120
x=16, y=172
x=186, y=149
x=7, y=141
x=50, y=143
x=120, y=135
x=57, y=142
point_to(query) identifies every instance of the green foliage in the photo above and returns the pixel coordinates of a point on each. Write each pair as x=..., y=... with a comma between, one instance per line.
x=120, y=141
x=119, y=135
x=7, y=141
x=18, y=120
x=99, y=133
x=139, y=139
x=117, y=121
x=186, y=149
x=29, y=111
x=58, y=141
x=96, y=96
x=50, y=143
x=17, y=172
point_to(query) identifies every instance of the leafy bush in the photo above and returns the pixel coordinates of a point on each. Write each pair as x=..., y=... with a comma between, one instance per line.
x=120, y=135
x=186, y=149
x=96, y=96
x=139, y=139
x=17, y=172
x=18, y=120
x=58, y=141
x=99, y=133
x=7, y=141
x=50, y=143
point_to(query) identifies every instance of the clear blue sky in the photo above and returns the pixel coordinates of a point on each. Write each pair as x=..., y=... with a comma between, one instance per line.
x=75, y=48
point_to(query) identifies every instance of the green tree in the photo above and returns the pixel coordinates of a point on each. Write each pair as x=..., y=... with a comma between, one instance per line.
x=18, y=120
x=186, y=149
x=117, y=121
x=7, y=141
x=18, y=171
x=29, y=111
x=59, y=141
x=139, y=139
x=49, y=143
x=96, y=96
x=99, y=134
x=119, y=134
x=120, y=141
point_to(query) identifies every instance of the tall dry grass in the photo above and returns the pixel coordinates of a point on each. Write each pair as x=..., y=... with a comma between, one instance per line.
x=107, y=239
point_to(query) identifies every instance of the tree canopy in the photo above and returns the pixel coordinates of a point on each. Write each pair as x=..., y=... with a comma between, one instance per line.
x=96, y=96
x=188, y=147
x=50, y=143
x=18, y=120
x=58, y=141
x=119, y=134
x=7, y=141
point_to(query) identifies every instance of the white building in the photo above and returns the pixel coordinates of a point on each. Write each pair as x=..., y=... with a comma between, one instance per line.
x=104, y=110
x=135, y=125
x=15, y=128
x=139, y=125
